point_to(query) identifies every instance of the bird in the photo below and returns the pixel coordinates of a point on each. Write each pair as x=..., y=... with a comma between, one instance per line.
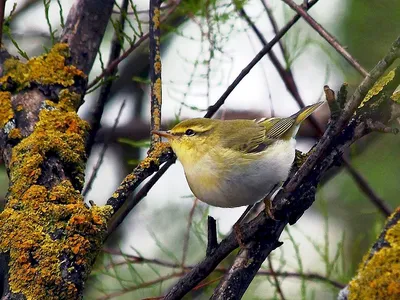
x=233, y=163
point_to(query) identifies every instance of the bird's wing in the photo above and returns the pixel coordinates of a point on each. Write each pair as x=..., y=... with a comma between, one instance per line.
x=248, y=138
x=278, y=127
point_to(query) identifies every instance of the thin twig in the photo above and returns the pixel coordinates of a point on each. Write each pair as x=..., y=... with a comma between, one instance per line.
x=274, y=26
x=367, y=190
x=134, y=259
x=103, y=151
x=187, y=234
x=155, y=70
x=284, y=72
x=96, y=112
x=2, y=8
x=266, y=49
x=327, y=36
x=141, y=286
x=124, y=55
x=116, y=62
x=274, y=276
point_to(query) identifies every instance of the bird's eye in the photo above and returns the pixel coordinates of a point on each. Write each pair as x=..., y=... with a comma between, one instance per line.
x=189, y=132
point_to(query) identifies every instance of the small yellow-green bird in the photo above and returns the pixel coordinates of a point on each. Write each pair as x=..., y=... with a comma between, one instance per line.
x=236, y=162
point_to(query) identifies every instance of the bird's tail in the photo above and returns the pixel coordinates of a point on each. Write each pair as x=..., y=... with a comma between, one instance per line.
x=303, y=113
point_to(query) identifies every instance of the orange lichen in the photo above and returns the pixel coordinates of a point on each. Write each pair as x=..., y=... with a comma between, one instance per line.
x=378, y=276
x=15, y=134
x=44, y=228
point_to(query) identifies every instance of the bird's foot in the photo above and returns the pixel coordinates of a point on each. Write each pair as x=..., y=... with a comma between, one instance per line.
x=268, y=208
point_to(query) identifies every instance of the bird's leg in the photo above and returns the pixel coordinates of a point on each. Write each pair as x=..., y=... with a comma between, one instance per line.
x=268, y=207
x=268, y=203
x=236, y=228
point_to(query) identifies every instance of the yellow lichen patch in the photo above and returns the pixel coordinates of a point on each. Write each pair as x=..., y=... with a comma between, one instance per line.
x=6, y=112
x=156, y=19
x=396, y=97
x=157, y=90
x=153, y=157
x=378, y=277
x=46, y=69
x=378, y=87
x=157, y=64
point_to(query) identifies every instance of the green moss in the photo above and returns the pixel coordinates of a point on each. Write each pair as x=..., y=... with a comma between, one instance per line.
x=378, y=277
x=44, y=228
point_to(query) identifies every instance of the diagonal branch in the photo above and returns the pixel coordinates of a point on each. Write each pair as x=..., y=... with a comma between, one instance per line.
x=327, y=36
x=288, y=79
x=265, y=50
x=346, y=114
x=289, y=205
x=84, y=30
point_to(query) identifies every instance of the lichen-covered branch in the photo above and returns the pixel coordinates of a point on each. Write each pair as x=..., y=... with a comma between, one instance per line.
x=160, y=154
x=49, y=235
x=379, y=273
x=155, y=69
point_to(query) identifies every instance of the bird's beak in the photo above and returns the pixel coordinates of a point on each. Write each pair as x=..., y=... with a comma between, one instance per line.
x=165, y=134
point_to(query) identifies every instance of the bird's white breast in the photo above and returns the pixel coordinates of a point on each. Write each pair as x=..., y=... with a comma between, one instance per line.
x=240, y=181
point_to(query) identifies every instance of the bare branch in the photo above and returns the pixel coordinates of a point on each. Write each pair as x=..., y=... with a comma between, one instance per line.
x=275, y=277
x=266, y=49
x=367, y=190
x=212, y=241
x=2, y=7
x=187, y=233
x=351, y=106
x=84, y=30
x=327, y=36
x=133, y=47
x=96, y=113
